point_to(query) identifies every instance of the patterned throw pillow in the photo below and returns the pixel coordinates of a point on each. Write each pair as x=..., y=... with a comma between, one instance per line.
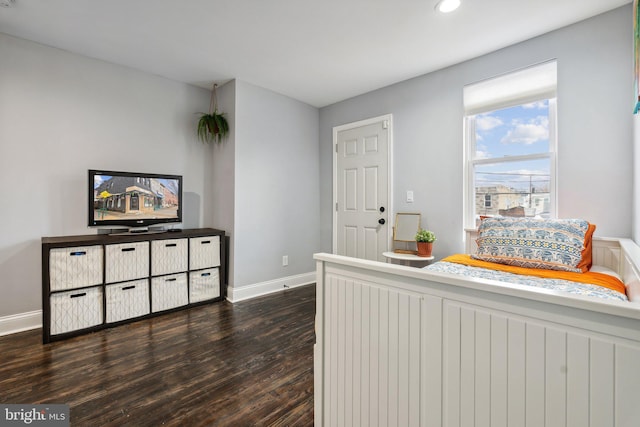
x=551, y=244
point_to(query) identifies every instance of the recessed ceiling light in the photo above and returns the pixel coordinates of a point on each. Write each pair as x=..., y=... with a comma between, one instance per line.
x=446, y=6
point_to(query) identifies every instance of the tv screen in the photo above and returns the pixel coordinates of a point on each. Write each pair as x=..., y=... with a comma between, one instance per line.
x=133, y=199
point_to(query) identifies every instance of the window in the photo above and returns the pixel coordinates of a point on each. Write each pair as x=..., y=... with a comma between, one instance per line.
x=510, y=145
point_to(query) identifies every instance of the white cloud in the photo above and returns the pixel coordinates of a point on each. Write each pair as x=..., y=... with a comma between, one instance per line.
x=539, y=105
x=99, y=179
x=528, y=133
x=482, y=151
x=487, y=122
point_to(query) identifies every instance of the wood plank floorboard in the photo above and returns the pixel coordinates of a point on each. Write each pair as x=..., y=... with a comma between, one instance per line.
x=222, y=364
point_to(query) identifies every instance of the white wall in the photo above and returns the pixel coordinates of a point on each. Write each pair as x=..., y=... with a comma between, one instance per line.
x=276, y=186
x=62, y=114
x=595, y=102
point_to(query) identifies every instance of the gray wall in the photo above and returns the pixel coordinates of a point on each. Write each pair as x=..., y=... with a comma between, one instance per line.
x=595, y=102
x=636, y=179
x=276, y=185
x=221, y=182
x=62, y=114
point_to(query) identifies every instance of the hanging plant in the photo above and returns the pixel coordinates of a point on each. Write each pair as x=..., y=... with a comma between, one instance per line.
x=213, y=126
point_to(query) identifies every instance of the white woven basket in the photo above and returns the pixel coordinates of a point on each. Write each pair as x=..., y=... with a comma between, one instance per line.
x=127, y=300
x=169, y=292
x=168, y=256
x=204, y=252
x=74, y=310
x=75, y=267
x=127, y=261
x=204, y=285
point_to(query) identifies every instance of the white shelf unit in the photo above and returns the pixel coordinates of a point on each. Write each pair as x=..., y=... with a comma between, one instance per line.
x=96, y=281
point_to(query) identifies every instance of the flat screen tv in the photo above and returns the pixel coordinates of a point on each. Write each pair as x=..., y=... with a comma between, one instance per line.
x=133, y=200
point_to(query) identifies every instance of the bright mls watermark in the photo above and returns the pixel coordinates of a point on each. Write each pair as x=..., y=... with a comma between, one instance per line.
x=54, y=415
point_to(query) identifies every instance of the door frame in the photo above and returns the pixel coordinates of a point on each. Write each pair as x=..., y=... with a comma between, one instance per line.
x=390, y=209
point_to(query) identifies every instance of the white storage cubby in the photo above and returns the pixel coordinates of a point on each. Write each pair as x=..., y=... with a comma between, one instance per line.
x=127, y=261
x=204, y=285
x=76, y=310
x=96, y=281
x=75, y=267
x=127, y=300
x=204, y=252
x=169, y=292
x=169, y=256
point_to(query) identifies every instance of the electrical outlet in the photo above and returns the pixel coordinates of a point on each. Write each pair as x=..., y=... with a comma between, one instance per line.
x=285, y=260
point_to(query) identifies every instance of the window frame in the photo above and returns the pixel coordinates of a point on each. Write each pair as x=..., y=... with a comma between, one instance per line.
x=470, y=162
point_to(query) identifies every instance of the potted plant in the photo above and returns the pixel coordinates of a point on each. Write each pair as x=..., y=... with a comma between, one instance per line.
x=425, y=239
x=213, y=126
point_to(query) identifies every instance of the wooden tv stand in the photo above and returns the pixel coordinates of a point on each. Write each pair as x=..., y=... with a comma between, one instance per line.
x=91, y=282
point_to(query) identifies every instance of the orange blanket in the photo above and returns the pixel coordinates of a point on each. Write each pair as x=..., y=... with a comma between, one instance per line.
x=599, y=279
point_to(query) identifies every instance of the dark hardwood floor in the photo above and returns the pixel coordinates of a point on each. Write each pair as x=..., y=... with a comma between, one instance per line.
x=223, y=364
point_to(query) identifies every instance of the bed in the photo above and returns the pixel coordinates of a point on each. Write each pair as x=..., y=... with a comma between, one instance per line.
x=397, y=345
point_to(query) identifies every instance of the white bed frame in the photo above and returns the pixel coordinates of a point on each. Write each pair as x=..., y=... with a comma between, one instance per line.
x=401, y=346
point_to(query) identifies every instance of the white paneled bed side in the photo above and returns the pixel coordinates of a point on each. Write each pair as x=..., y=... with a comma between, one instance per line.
x=397, y=345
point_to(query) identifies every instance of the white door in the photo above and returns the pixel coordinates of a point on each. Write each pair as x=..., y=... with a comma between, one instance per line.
x=362, y=188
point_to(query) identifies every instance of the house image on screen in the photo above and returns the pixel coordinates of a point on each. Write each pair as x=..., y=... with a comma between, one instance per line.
x=128, y=195
x=165, y=196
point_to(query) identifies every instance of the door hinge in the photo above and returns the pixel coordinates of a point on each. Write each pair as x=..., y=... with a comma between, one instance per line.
x=336, y=148
x=385, y=124
x=336, y=206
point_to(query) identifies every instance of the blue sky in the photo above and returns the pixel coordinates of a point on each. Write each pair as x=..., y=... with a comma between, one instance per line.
x=171, y=184
x=513, y=131
x=523, y=129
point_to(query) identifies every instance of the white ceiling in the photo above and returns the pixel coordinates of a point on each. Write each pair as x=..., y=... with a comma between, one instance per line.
x=319, y=52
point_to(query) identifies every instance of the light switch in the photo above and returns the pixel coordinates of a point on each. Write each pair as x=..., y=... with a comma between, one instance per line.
x=409, y=196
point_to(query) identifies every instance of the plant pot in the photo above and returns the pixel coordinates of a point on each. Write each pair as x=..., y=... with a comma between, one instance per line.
x=425, y=249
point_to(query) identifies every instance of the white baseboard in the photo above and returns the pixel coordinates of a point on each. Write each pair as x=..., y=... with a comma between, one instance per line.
x=33, y=319
x=20, y=322
x=271, y=286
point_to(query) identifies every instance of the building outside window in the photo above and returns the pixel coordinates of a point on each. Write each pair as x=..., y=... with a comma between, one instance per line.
x=487, y=200
x=510, y=145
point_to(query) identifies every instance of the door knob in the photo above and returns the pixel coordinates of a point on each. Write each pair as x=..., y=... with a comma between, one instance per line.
x=381, y=221
x=381, y=209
